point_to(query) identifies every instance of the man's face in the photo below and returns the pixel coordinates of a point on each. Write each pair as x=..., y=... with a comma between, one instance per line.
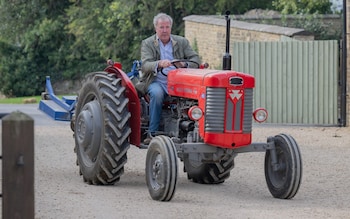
x=163, y=30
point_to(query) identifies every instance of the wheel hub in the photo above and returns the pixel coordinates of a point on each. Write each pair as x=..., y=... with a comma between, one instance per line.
x=157, y=172
x=84, y=128
x=88, y=130
x=279, y=171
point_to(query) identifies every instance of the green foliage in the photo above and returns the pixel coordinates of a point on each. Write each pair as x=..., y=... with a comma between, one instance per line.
x=308, y=11
x=32, y=46
x=303, y=6
x=240, y=7
x=68, y=38
x=311, y=23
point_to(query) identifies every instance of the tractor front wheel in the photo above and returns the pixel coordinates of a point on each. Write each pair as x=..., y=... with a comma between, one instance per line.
x=161, y=168
x=283, y=177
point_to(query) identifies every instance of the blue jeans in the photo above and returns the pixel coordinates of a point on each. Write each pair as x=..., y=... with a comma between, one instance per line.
x=157, y=95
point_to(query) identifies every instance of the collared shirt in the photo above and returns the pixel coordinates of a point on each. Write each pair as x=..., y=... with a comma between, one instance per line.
x=166, y=52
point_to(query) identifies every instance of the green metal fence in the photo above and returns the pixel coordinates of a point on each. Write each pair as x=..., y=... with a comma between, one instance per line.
x=296, y=81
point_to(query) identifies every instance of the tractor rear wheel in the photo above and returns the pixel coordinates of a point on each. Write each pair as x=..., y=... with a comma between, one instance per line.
x=208, y=173
x=101, y=129
x=283, y=179
x=161, y=168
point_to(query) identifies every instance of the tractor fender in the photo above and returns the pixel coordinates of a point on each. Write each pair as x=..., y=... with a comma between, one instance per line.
x=134, y=104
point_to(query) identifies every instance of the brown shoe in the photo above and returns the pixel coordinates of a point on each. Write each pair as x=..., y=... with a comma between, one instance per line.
x=147, y=140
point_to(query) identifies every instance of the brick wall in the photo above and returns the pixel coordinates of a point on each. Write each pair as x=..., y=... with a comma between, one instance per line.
x=208, y=35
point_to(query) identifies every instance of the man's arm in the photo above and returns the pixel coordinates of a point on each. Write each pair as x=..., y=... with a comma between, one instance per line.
x=148, y=57
x=185, y=51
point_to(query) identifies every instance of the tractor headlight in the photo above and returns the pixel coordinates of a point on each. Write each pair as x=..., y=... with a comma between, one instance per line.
x=260, y=115
x=195, y=113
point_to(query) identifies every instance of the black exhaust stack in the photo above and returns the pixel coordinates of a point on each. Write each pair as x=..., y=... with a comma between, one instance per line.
x=226, y=64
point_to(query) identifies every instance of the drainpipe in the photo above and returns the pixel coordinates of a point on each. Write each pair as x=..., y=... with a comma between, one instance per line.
x=343, y=108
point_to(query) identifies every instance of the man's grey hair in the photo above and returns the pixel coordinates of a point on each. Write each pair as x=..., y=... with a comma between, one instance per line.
x=162, y=16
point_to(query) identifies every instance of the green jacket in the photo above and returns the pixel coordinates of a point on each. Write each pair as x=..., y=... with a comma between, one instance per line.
x=150, y=55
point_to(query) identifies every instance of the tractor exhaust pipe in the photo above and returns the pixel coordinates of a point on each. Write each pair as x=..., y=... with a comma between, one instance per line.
x=226, y=64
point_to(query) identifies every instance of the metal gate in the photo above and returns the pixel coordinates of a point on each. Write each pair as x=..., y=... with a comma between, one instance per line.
x=296, y=81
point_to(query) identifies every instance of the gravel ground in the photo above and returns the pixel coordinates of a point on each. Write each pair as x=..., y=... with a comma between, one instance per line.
x=61, y=193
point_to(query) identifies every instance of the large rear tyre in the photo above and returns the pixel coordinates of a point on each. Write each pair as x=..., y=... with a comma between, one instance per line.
x=283, y=179
x=208, y=173
x=101, y=129
x=161, y=168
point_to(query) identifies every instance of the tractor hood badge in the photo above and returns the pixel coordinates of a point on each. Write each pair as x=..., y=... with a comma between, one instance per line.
x=235, y=95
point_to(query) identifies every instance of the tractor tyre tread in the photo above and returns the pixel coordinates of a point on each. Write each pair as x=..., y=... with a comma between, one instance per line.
x=115, y=129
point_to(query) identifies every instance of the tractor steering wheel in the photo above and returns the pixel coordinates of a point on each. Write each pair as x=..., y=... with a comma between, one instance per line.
x=176, y=61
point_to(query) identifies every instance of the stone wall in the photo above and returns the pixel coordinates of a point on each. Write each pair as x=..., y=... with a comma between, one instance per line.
x=333, y=22
x=207, y=34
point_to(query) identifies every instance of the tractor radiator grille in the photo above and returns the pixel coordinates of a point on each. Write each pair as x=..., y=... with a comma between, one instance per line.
x=248, y=110
x=216, y=103
x=215, y=110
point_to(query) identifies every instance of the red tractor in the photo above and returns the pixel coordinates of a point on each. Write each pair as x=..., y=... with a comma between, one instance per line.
x=206, y=121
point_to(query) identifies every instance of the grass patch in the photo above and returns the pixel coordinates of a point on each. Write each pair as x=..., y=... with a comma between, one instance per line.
x=20, y=100
x=24, y=100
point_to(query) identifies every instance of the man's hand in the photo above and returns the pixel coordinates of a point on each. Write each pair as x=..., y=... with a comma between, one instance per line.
x=164, y=63
x=167, y=63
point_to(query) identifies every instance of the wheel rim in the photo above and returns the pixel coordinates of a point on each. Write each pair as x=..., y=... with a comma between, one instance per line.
x=157, y=172
x=88, y=132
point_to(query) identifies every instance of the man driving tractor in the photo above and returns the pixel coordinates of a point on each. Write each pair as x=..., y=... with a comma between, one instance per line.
x=157, y=53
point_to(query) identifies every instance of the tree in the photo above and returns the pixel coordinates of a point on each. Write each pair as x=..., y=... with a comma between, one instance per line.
x=307, y=11
x=33, y=44
x=240, y=7
x=69, y=38
x=303, y=6
x=116, y=28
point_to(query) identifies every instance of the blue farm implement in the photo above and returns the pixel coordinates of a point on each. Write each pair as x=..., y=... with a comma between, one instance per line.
x=63, y=109
x=58, y=109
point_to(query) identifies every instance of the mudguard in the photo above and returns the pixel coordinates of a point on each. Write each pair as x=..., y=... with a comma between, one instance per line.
x=134, y=103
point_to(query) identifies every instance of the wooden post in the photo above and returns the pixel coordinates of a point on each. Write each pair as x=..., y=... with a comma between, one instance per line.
x=17, y=166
